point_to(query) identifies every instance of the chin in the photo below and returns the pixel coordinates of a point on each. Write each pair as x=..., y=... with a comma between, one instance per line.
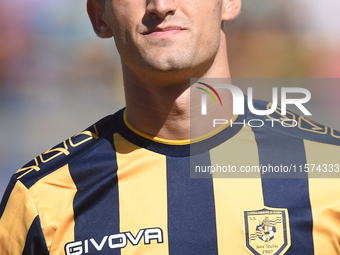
x=170, y=65
x=168, y=59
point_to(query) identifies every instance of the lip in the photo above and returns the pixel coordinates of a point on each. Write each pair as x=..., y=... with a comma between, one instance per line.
x=161, y=31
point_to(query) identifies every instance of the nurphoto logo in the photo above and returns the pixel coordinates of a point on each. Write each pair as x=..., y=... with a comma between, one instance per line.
x=238, y=101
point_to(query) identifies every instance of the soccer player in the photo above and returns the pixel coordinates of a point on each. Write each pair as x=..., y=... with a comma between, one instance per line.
x=123, y=185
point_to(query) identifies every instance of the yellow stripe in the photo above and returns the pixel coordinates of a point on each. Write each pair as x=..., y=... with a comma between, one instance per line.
x=324, y=198
x=178, y=142
x=54, y=196
x=233, y=196
x=142, y=194
x=18, y=216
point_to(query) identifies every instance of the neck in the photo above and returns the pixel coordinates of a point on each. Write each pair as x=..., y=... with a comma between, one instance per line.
x=159, y=105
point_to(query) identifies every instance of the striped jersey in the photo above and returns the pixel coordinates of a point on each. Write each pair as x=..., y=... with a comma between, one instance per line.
x=261, y=185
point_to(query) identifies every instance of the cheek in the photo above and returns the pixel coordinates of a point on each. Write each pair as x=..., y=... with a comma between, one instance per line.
x=124, y=17
x=207, y=17
x=209, y=32
x=122, y=31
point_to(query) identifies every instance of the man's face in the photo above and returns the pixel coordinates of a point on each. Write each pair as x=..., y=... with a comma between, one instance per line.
x=165, y=35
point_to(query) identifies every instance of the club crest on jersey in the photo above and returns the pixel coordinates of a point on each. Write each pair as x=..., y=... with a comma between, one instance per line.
x=267, y=231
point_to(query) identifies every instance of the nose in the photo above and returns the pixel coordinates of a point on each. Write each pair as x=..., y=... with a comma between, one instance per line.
x=161, y=8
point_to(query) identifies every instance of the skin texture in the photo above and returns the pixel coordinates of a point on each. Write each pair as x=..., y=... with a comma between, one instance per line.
x=162, y=44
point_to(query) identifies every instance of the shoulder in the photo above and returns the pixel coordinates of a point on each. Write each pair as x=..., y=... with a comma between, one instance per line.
x=292, y=125
x=67, y=151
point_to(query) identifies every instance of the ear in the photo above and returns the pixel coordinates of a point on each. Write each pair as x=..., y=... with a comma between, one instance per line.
x=231, y=8
x=96, y=12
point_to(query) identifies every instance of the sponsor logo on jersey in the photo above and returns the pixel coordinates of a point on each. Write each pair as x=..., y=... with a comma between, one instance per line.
x=267, y=231
x=116, y=241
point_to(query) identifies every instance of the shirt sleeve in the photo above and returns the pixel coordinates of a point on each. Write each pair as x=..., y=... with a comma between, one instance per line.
x=20, y=228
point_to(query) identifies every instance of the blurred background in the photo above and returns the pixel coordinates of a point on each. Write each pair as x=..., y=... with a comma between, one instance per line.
x=57, y=77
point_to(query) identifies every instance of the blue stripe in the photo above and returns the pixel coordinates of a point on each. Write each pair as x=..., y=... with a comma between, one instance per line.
x=35, y=241
x=7, y=193
x=96, y=207
x=292, y=193
x=191, y=209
